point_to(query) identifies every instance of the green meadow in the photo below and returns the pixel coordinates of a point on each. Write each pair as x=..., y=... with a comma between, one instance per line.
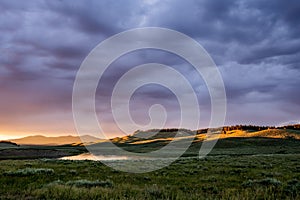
x=214, y=177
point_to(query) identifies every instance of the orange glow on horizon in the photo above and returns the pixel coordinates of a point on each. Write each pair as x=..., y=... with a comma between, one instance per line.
x=7, y=134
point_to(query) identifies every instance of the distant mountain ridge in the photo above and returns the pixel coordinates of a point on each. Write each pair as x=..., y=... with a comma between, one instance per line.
x=60, y=140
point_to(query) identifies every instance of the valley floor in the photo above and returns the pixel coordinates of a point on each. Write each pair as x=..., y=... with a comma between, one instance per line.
x=214, y=177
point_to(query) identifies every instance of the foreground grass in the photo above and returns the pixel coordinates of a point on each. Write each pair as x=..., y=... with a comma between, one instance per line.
x=215, y=177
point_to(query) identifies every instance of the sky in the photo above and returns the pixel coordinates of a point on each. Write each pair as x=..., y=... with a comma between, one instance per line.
x=255, y=45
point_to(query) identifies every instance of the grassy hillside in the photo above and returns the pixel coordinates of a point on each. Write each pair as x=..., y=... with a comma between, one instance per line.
x=232, y=142
x=169, y=134
x=8, y=144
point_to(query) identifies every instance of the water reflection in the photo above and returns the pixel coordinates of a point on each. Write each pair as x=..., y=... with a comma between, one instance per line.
x=89, y=156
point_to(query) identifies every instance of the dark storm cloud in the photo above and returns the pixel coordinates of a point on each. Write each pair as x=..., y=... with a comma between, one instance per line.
x=256, y=45
x=98, y=17
x=253, y=30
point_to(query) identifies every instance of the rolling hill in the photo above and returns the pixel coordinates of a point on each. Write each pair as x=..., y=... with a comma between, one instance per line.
x=7, y=144
x=140, y=137
x=166, y=135
x=235, y=140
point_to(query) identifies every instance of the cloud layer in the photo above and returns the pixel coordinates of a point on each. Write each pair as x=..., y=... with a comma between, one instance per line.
x=256, y=45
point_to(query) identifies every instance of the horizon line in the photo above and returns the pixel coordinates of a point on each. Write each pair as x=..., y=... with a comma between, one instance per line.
x=76, y=135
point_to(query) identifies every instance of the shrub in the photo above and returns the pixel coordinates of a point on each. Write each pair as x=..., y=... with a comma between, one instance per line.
x=57, y=182
x=270, y=182
x=89, y=184
x=30, y=172
x=292, y=187
x=73, y=171
x=264, y=182
x=154, y=191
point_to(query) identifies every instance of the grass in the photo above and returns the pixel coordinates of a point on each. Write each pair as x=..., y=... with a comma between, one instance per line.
x=214, y=177
x=228, y=146
x=29, y=172
x=33, y=152
x=89, y=184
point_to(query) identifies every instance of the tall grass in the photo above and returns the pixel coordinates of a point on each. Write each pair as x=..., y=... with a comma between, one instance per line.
x=30, y=172
x=215, y=177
